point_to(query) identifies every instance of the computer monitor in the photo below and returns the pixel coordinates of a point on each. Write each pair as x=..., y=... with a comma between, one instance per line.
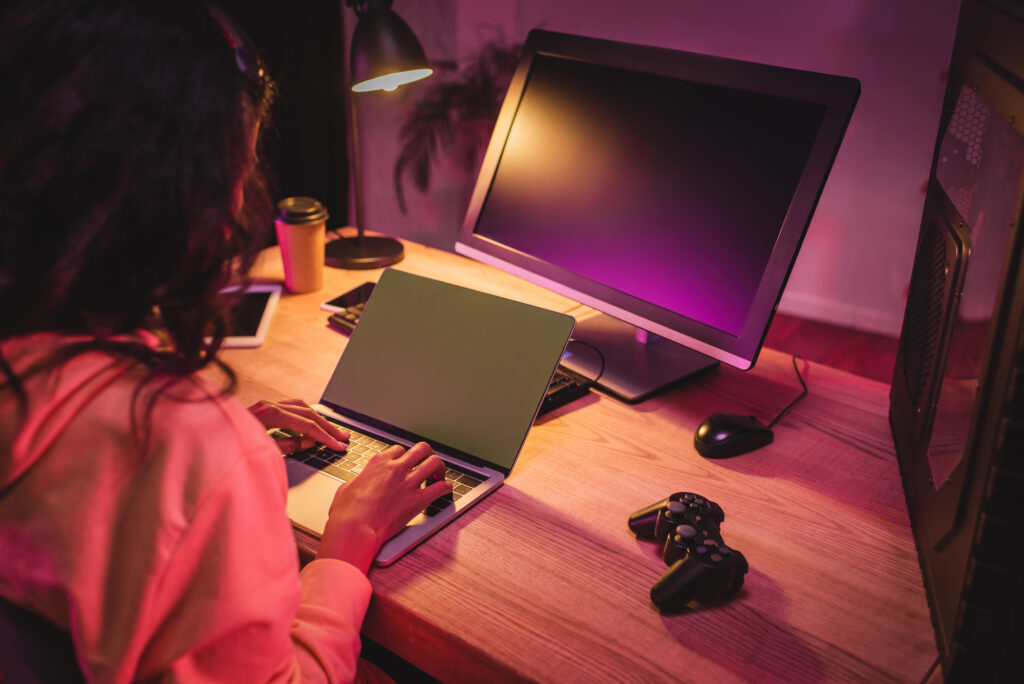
x=666, y=189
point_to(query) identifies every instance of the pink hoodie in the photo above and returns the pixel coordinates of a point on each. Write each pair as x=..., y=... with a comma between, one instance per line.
x=179, y=562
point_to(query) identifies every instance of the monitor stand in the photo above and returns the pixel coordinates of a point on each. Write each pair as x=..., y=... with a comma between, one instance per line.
x=637, y=364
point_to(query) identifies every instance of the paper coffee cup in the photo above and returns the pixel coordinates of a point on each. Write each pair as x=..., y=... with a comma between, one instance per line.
x=301, y=223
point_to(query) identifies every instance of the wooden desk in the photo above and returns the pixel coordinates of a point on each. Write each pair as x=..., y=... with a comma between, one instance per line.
x=542, y=580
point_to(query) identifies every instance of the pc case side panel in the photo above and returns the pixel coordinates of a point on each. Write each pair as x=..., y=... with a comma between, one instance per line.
x=959, y=433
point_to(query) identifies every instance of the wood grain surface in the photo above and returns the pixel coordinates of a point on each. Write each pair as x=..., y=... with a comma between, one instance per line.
x=543, y=581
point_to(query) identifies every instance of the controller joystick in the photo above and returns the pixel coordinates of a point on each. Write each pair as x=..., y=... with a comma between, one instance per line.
x=701, y=566
x=698, y=512
x=684, y=540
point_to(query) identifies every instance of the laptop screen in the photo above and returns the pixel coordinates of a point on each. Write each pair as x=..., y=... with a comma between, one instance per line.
x=460, y=369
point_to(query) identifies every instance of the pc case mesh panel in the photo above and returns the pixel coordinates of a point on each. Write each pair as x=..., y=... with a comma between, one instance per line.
x=923, y=323
x=935, y=284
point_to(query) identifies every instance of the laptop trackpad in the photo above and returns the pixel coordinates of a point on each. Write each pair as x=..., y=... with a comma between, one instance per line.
x=310, y=494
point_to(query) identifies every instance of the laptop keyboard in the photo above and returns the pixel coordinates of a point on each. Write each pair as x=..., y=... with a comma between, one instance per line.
x=344, y=466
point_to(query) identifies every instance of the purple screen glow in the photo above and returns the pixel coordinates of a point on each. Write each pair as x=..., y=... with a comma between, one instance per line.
x=671, y=191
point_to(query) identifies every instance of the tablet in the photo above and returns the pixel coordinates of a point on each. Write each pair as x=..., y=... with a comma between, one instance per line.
x=249, y=318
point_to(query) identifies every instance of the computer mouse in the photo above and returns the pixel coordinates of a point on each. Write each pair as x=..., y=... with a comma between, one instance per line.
x=722, y=435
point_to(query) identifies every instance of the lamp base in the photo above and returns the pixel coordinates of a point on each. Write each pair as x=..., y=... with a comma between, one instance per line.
x=370, y=252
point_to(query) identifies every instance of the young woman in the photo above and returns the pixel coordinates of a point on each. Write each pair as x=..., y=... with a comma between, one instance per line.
x=141, y=507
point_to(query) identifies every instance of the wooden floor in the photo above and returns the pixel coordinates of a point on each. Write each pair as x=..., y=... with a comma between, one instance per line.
x=866, y=354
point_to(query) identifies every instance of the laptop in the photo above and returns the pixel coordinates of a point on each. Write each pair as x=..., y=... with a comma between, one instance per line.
x=429, y=361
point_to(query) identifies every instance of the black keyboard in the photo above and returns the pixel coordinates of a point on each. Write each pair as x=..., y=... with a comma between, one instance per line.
x=567, y=385
x=346, y=465
x=344, y=321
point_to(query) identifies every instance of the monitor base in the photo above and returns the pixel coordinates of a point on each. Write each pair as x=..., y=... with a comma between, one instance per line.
x=634, y=370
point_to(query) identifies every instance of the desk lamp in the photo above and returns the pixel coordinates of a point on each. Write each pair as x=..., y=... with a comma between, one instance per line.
x=385, y=54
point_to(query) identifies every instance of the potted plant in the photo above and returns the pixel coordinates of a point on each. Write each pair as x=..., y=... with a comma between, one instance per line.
x=452, y=120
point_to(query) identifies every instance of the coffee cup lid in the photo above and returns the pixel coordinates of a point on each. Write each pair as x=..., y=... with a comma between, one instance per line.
x=301, y=210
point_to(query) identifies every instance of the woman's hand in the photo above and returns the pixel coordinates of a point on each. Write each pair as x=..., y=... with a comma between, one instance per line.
x=298, y=417
x=378, y=503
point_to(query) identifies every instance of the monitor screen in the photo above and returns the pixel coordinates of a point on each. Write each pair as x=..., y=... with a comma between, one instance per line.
x=668, y=189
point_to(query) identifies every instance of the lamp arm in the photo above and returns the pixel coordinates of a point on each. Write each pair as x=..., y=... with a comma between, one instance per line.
x=355, y=166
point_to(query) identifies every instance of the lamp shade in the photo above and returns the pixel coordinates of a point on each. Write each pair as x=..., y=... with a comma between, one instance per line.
x=385, y=52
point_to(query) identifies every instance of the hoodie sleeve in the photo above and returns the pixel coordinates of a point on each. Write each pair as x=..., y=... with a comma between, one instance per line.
x=178, y=563
x=231, y=604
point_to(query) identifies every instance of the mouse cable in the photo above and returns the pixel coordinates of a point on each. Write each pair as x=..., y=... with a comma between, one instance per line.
x=802, y=394
x=599, y=355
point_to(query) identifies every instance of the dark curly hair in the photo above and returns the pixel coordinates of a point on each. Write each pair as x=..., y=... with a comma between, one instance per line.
x=126, y=131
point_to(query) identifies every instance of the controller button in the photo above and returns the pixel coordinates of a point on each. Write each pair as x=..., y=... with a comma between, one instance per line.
x=724, y=550
x=715, y=558
x=676, y=508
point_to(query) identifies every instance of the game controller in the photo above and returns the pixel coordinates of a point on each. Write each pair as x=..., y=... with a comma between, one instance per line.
x=701, y=566
x=682, y=508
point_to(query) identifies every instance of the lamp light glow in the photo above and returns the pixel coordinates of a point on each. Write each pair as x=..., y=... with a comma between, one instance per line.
x=390, y=82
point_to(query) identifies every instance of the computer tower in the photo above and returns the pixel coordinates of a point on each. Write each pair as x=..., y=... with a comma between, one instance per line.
x=957, y=396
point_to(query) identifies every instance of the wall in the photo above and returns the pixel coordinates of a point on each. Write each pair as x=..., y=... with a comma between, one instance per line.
x=854, y=267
